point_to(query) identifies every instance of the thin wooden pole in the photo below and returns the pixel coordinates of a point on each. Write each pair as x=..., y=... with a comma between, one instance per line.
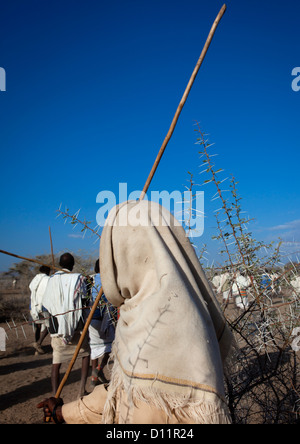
x=28, y=259
x=183, y=100
x=83, y=334
x=149, y=179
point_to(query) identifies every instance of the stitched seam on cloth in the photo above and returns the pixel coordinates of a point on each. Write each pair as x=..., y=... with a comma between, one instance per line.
x=170, y=381
x=86, y=412
x=200, y=412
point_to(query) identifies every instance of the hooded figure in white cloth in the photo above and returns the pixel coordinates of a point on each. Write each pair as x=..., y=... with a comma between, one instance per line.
x=171, y=337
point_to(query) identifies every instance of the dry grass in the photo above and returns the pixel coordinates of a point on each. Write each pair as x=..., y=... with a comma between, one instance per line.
x=13, y=304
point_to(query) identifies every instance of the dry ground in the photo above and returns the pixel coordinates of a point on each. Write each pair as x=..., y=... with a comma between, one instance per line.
x=25, y=378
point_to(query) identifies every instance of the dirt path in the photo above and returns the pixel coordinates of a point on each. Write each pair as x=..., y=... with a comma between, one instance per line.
x=25, y=378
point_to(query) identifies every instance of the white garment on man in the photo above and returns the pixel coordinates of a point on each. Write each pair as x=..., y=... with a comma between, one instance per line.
x=64, y=294
x=37, y=287
x=101, y=329
x=101, y=344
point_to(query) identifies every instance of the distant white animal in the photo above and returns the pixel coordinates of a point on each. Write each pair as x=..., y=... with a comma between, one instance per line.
x=216, y=281
x=233, y=285
x=295, y=283
x=219, y=281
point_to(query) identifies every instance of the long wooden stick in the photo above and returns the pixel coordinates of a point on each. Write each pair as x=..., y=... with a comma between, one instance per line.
x=147, y=184
x=183, y=99
x=29, y=260
x=83, y=334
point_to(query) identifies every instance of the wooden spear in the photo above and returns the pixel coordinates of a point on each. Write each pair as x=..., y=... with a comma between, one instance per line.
x=148, y=181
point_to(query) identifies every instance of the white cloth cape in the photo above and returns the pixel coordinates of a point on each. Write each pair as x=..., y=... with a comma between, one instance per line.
x=171, y=335
x=100, y=345
x=37, y=287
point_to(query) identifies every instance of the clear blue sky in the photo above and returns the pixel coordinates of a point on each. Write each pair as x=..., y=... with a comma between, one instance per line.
x=92, y=87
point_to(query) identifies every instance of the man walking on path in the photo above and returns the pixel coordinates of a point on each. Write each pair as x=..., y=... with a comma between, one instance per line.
x=66, y=293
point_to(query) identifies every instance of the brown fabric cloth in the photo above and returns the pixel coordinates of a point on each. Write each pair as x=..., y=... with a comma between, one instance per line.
x=87, y=410
x=171, y=337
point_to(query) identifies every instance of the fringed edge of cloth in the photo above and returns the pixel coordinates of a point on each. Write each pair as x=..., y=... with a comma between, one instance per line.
x=213, y=411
